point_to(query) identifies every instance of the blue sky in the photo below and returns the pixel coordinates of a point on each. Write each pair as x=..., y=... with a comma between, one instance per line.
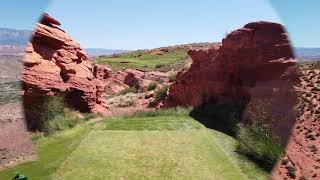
x=128, y=24
x=301, y=18
x=21, y=14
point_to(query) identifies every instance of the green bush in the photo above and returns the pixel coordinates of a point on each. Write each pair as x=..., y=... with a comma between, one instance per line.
x=308, y=94
x=152, y=85
x=257, y=142
x=47, y=113
x=54, y=115
x=161, y=93
x=128, y=90
x=158, y=65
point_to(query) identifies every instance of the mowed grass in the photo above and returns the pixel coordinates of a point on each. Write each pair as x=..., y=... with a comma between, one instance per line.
x=148, y=155
x=51, y=152
x=143, y=60
x=166, y=144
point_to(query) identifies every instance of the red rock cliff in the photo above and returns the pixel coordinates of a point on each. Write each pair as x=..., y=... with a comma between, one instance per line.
x=253, y=65
x=55, y=64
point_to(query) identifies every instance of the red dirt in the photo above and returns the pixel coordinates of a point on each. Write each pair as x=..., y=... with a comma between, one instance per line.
x=15, y=142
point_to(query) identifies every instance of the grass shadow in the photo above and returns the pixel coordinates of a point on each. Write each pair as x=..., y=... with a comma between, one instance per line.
x=222, y=117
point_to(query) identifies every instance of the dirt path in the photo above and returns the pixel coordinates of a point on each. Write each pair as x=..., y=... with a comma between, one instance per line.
x=15, y=142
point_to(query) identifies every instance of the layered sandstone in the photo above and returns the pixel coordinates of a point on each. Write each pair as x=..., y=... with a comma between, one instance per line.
x=55, y=64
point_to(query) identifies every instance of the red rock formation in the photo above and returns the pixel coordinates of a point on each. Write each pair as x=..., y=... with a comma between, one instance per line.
x=114, y=82
x=159, y=51
x=55, y=64
x=253, y=66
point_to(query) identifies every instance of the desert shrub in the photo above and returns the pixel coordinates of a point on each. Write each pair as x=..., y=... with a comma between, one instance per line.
x=47, y=112
x=291, y=171
x=308, y=95
x=158, y=65
x=152, y=85
x=257, y=142
x=161, y=93
x=128, y=90
x=55, y=115
x=173, y=77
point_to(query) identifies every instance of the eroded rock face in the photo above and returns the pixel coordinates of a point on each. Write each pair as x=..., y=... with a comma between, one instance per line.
x=55, y=64
x=254, y=65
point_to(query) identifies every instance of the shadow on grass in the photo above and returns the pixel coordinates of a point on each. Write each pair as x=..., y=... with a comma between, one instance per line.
x=221, y=117
x=255, y=142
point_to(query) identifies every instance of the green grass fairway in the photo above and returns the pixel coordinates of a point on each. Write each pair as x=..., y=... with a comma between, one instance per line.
x=148, y=155
x=51, y=152
x=142, y=60
x=166, y=144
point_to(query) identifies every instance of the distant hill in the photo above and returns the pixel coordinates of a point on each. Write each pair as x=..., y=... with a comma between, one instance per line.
x=307, y=53
x=94, y=52
x=13, y=41
x=14, y=37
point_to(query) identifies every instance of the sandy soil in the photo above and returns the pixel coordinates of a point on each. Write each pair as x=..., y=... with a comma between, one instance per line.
x=15, y=142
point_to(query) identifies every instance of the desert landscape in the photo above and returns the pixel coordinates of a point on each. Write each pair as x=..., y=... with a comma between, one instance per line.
x=245, y=107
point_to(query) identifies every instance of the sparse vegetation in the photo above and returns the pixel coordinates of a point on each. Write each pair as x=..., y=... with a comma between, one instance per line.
x=291, y=171
x=10, y=92
x=128, y=90
x=161, y=93
x=257, y=142
x=173, y=77
x=152, y=86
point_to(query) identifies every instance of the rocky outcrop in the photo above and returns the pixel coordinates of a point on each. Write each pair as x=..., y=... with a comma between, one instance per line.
x=55, y=64
x=141, y=79
x=114, y=82
x=253, y=66
x=159, y=51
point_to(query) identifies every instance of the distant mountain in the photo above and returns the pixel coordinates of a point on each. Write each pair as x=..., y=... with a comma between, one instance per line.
x=94, y=52
x=13, y=41
x=307, y=53
x=14, y=37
